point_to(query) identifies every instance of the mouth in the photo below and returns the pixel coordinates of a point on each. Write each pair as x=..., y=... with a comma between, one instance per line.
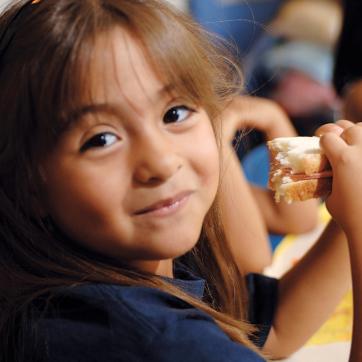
x=166, y=206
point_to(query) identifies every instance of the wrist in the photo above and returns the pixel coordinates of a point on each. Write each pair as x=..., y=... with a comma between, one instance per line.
x=281, y=127
x=278, y=123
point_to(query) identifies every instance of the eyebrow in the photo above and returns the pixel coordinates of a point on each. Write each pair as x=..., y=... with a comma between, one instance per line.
x=110, y=108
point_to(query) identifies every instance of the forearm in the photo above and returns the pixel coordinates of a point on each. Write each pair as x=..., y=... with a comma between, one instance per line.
x=244, y=226
x=356, y=267
x=343, y=148
x=309, y=292
x=283, y=218
x=268, y=117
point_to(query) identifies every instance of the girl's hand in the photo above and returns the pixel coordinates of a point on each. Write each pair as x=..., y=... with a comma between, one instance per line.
x=342, y=144
x=247, y=112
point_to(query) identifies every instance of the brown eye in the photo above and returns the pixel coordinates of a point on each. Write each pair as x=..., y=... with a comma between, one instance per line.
x=177, y=114
x=100, y=140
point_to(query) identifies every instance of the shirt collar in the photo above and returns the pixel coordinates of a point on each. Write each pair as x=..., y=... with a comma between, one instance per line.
x=187, y=281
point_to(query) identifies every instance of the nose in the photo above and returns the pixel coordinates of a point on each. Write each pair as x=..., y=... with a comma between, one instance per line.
x=156, y=159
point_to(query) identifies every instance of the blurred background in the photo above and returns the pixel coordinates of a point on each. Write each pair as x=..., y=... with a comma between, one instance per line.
x=285, y=48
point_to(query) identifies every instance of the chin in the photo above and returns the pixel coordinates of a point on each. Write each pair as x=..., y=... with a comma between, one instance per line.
x=174, y=249
x=176, y=252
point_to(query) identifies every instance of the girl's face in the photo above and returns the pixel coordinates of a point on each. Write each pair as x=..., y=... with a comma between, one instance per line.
x=137, y=172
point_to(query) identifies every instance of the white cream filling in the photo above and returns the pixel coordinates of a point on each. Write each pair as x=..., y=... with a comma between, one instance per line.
x=292, y=150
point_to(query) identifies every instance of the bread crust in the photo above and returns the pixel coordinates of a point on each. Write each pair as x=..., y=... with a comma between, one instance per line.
x=303, y=190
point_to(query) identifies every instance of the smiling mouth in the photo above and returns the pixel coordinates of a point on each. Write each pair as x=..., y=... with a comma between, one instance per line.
x=166, y=206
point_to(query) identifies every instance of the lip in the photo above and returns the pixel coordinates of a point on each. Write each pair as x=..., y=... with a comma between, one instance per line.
x=166, y=206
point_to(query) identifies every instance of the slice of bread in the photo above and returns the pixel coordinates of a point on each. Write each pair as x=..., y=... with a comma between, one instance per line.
x=298, y=169
x=303, y=190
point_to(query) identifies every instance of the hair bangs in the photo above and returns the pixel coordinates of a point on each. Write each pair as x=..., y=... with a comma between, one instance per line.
x=196, y=64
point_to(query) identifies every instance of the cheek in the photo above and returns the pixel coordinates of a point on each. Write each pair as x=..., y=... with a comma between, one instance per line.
x=205, y=154
x=82, y=195
x=212, y=173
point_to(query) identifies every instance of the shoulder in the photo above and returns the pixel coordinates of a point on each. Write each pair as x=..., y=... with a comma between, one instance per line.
x=114, y=323
x=98, y=320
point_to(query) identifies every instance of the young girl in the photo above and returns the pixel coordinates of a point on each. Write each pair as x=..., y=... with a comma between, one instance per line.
x=109, y=176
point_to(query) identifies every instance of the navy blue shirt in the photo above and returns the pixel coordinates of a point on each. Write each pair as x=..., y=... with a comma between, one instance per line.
x=102, y=322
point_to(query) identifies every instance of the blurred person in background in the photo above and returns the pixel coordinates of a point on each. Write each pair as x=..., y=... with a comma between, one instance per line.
x=286, y=49
x=293, y=62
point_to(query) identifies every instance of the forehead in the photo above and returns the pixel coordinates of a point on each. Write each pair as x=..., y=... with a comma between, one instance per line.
x=120, y=68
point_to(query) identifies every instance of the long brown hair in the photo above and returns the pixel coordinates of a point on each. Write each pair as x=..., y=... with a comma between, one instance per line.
x=43, y=72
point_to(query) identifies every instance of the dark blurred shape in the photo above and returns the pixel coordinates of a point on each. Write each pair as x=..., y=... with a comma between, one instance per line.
x=352, y=101
x=348, y=66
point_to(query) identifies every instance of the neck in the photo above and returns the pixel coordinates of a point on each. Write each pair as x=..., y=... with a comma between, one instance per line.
x=162, y=268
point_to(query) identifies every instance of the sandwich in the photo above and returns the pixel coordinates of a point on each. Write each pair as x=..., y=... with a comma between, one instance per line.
x=298, y=169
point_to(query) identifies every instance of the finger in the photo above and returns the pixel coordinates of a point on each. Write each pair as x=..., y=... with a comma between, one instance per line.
x=353, y=135
x=327, y=128
x=344, y=123
x=332, y=145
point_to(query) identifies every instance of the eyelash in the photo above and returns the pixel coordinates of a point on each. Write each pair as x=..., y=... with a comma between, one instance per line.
x=171, y=112
x=101, y=139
